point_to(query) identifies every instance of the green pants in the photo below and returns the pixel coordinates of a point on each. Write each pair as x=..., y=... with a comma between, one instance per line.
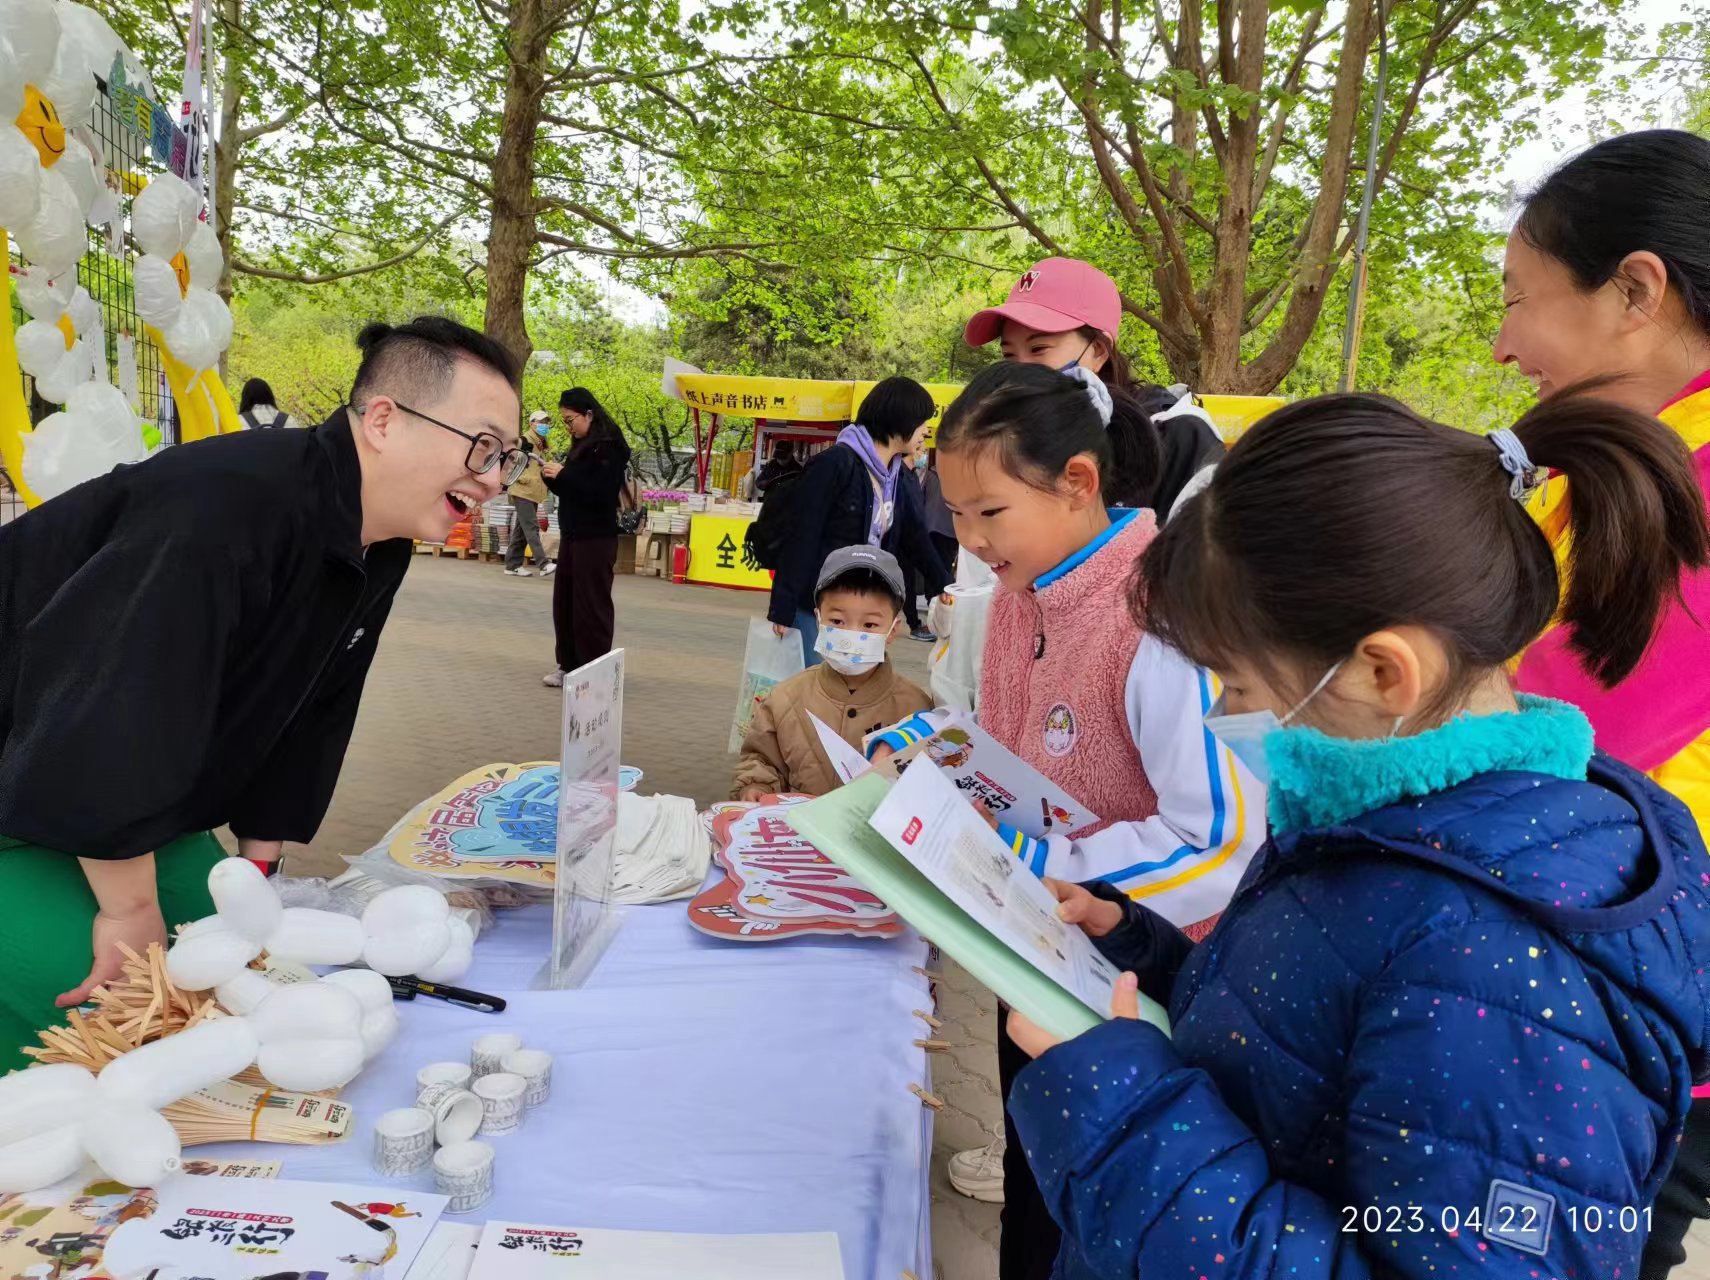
x=46, y=913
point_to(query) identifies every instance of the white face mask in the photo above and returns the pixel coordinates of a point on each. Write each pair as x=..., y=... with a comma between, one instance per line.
x=1244, y=734
x=851, y=653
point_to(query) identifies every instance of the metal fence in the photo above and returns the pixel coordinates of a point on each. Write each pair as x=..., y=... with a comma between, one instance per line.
x=105, y=271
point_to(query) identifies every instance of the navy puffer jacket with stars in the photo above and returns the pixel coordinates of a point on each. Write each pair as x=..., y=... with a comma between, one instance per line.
x=1448, y=1026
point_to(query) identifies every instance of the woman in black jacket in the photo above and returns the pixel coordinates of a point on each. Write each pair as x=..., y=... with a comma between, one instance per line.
x=851, y=494
x=588, y=484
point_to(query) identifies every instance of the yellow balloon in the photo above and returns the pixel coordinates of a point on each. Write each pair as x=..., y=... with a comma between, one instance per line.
x=39, y=122
x=186, y=395
x=14, y=411
x=224, y=410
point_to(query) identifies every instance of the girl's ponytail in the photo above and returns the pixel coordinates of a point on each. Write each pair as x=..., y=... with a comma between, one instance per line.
x=1136, y=454
x=1338, y=517
x=1636, y=512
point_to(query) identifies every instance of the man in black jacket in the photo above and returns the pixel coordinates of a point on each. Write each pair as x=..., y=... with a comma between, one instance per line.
x=183, y=644
x=852, y=494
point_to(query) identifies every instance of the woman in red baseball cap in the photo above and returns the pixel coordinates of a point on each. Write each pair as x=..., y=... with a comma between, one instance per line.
x=1064, y=312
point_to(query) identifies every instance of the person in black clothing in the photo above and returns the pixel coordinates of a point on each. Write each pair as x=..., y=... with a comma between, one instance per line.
x=851, y=494
x=184, y=641
x=588, y=484
x=916, y=489
x=781, y=464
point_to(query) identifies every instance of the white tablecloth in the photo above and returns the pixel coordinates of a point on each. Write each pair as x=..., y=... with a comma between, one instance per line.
x=698, y=1085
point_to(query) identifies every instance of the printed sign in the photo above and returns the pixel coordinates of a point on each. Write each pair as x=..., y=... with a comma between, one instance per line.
x=234, y=1228
x=777, y=885
x=715, y=553
x=582, y=920
x=518, y=1251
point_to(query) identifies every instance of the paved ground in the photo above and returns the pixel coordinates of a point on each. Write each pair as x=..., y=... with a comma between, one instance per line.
x=457, y=685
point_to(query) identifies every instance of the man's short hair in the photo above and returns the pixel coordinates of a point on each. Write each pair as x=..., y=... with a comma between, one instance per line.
x=419, y=359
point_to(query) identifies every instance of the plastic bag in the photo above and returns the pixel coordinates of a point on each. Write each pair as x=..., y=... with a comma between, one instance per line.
x=766, y=662
x=955, y=661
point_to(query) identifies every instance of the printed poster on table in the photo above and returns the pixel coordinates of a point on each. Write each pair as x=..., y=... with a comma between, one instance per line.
x=777, y=885
x=521, y=1251
x=241, y=1229
x=496, y=822
x=583, y=919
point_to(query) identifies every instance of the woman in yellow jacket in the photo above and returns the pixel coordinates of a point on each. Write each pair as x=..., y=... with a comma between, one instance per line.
x=1607, y=276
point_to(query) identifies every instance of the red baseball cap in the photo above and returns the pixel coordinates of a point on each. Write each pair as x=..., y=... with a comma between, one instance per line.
x=1053, y=296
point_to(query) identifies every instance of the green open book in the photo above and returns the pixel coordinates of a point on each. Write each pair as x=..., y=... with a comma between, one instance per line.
x=919, y=845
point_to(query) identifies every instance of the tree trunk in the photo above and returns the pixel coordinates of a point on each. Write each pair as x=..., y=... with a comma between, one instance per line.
x=511, y=231
x=232, y=73
x=1220, y=353
x=1318, y=260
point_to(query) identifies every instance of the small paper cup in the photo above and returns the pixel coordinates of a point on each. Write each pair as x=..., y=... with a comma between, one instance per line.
x=403, y=1142
x=487, y=1054
x=456, y=1113
x=534, y=1066
x=463, y=1172
x=457, y=1074
x=502, y=1105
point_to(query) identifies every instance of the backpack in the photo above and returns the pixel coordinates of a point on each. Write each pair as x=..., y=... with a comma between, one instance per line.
x=763, y=544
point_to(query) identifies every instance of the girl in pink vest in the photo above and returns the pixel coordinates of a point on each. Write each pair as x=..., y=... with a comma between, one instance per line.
x=1032, y=461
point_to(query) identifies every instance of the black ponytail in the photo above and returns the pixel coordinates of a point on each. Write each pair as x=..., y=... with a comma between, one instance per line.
x=1036, y=419
x=1337, y=517
x=1637, y=516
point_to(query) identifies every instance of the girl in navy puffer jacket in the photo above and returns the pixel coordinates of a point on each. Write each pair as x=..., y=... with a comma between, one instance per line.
x=1450, y=1022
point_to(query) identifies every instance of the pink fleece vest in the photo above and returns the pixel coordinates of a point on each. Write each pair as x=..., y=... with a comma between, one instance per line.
x=1054, y=684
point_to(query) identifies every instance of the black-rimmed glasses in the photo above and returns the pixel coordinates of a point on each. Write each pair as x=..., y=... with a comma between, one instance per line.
x=485, y=451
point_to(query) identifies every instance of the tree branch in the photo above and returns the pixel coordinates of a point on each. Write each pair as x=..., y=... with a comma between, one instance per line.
x=296, y=277
x=1290, y=86
x=998, y=189
x=284, y=120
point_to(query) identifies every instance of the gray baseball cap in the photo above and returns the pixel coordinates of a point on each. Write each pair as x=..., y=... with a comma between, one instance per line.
x=871, y=559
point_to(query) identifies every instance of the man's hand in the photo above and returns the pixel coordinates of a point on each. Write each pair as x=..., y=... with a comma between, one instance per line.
x=1076, y=905
x=753, y=795
x=1034, y=1040
x=780, y=630
x=143, y=926
x=551, y=469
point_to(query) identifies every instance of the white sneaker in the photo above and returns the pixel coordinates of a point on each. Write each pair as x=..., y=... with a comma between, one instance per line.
x=520, y=573
x=978, y=1174
x=551, y=568
x=553, y=680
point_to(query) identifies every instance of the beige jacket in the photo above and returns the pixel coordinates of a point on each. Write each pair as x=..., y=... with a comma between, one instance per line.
x=531, y=484
x=782, y=751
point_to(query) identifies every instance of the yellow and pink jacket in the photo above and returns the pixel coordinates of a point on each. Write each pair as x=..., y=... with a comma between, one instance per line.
x=1658, y=718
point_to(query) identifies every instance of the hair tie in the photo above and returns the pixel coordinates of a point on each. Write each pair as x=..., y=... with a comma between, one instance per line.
x=1097, y=392
x=1512, y=454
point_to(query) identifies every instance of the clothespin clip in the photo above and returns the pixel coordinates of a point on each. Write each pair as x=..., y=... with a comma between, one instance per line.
x=930, y=1099
x=928, y=1019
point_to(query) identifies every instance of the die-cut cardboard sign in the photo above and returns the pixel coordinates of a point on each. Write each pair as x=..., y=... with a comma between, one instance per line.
x=777, y=885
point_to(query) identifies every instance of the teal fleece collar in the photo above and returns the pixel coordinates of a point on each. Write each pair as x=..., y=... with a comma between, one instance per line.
x=1320, y=781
